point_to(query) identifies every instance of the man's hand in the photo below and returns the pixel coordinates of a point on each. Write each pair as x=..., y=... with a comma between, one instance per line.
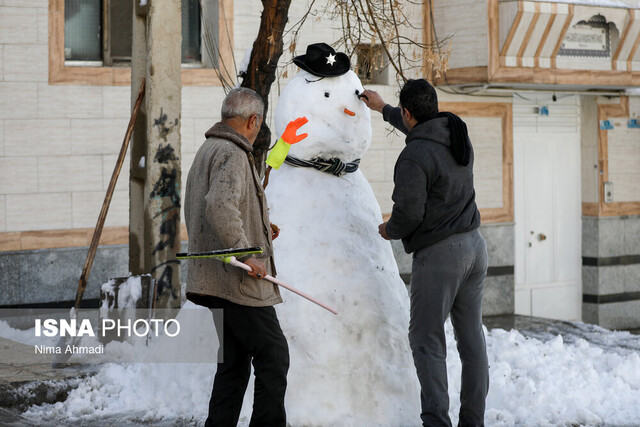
x=275, y=231
x=258, y=270
x=373, y=100
x=382, y=229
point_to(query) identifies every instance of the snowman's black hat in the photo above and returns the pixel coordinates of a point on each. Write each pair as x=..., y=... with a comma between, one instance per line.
x=322, y=61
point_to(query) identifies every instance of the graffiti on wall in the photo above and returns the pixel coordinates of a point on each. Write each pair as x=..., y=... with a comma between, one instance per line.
x=164, y=125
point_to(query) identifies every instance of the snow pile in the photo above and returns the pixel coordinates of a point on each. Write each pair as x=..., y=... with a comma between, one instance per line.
x=127, y=293
x=27, y=337
x=533, y=382
x=552, y=383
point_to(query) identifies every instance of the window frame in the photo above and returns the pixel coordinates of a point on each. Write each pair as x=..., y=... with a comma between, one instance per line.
x=120, y=75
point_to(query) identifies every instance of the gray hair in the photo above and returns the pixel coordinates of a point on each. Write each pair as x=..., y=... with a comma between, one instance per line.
x=242, y=102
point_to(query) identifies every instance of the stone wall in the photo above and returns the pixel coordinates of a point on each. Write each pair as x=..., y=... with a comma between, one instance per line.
x=610, y=271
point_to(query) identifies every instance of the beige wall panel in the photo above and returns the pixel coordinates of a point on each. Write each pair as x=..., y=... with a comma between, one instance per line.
x=69, y=102
x=589, y=159
x=634, y=105
x=453, y=17
x=97, y=136
x=47, y=211
x=203, y=125
x=26, y=62
x=395, y=138
x=37, y=137
x=188, y=143
x=18, y=100
x=625, y=157
x=383, y=191
x=466, y=22
x=3, y=221
x=69, y=173
x=488, y=192
x=202, y=102
x=536, y=38
x=384, y=136
x=18, y=25
x=373, y=165
x=390, y=163
x=485, y=131
x=552, y=39
x=108, y=164
x=588, y=122
x=635, y=64
x=18, y=175
x=26, y=3
x=507, y=12
x=626, y=186
x=116, y=103
x=620, y=135
x=187, y=161
x=1, y=62
x=580, y=63
x=118, y=210
x=488, y=162
x=518, y=37
x=86, y=206
x=2, y=138
x=245, y=31
x=629, y=41
x=43, y=24
x=466, y=53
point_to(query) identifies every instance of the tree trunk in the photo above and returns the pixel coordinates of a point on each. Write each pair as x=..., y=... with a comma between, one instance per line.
x=261, y=72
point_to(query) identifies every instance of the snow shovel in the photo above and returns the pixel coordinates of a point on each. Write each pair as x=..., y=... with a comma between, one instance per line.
x=229, y=256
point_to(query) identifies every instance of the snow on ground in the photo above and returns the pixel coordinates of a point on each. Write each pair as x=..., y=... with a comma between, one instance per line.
x=589, y=379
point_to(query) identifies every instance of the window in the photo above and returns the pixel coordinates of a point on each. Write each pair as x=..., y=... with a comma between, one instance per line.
x=90, y=41
x=101, y=31
x=372, y=64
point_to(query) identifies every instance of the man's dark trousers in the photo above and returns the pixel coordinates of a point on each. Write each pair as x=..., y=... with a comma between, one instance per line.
x=448, y=278
x=251, y=335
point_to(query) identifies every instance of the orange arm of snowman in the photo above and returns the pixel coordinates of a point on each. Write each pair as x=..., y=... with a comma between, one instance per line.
x=281, y=149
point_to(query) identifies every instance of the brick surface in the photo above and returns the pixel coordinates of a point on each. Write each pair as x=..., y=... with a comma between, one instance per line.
x=33, y=137
x=69, y=102
x=18, y=100
x=18, y=25
x=18, y=175
x=69, y=173
x=26, y=62
x=38, y=211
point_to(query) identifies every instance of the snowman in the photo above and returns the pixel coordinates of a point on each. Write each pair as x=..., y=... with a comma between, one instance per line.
x=354, y=368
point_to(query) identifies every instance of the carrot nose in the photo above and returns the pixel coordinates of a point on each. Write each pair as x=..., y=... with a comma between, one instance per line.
x=349, y=112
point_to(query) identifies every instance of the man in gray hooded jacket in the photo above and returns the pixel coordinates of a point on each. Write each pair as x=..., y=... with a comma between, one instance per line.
x=435, y=215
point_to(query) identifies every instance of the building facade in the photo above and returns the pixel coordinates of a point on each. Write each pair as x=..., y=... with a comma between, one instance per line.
x=548, y=111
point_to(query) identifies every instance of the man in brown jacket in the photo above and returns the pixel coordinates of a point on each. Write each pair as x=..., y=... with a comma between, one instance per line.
x=225, y=207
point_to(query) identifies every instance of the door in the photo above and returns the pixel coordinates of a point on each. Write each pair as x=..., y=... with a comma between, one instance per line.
x=548, y=210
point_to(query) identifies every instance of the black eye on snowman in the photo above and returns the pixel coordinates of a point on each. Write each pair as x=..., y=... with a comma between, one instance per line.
x=327, y=94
